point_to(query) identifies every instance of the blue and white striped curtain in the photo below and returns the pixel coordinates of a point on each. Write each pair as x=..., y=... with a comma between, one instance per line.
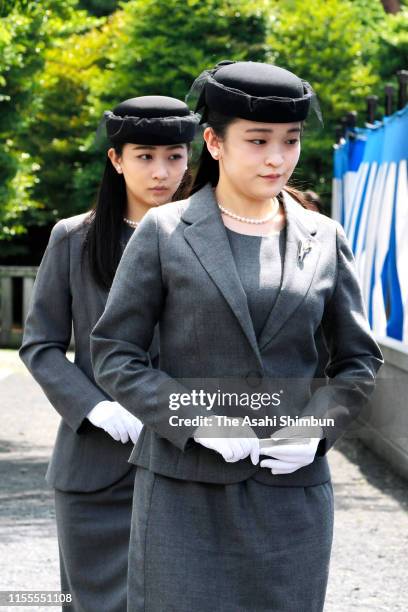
x=370, y=199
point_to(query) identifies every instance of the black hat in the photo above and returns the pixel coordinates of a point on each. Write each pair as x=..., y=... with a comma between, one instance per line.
x=254, y=91
x=152, y=120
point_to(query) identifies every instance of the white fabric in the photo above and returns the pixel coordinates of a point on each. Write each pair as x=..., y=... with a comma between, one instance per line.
x=287, y=458
x=233, y=449
x=116, y=421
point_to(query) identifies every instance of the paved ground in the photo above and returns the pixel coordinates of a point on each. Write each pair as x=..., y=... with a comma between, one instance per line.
x=369, y=561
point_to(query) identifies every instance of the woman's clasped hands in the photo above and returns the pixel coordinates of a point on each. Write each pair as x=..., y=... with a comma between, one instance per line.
x=285, y=458
x=288, y=455
x=225, y=440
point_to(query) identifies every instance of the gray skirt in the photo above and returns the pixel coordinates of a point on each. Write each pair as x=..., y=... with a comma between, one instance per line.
x=242, y=547
x=93, y=538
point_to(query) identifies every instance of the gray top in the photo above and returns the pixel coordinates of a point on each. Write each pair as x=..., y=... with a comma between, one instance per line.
x=259, y=263
x=178, y=269
x=65, y=296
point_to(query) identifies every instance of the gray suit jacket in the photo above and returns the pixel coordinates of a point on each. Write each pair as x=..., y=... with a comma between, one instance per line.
x=85, y=458
x=178, y=269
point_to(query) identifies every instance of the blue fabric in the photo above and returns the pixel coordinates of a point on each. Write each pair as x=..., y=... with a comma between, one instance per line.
x=391, y=287
x=366, y=153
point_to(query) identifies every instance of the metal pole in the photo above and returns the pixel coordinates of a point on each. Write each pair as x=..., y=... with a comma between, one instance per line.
x=6, y=284
x=372, y=102
x=351, y=119
x=389, y=90
x=402, y=76
x=339, y=132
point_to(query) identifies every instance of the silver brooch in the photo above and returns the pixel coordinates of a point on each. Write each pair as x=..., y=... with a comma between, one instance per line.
x=303, y=249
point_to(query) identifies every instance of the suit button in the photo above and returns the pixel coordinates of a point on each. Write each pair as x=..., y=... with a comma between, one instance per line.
x=254, y=378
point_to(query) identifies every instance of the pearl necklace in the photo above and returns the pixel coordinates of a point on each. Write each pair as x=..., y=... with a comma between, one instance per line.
x=251, y=219
x=133, y=224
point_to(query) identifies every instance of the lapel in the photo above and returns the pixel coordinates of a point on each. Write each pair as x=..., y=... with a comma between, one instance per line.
x=298, y=271
x=206, y=235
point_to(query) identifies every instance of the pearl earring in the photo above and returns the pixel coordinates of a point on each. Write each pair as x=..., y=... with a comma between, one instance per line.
x=119, y=169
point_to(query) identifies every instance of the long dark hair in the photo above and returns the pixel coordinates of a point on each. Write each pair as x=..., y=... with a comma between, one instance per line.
x=102, y=241
x=208, y=168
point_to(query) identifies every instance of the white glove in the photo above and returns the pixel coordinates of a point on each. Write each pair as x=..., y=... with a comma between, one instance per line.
x=232, y=449
x=116, y=421
x=287, y=458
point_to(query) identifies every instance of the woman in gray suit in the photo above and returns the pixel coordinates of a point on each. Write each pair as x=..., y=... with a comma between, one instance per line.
x=146, y=166
x=240, y=278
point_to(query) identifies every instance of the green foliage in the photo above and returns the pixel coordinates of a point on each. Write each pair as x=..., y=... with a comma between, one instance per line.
x=21, y=52
x=164, y=44
x=16, y=191
x=25, y=38
x=331, y=45
x=370, y=12
x=394, y=44
x=67, y=116
x=153, y=49
x=391, y=36
x=61, y=67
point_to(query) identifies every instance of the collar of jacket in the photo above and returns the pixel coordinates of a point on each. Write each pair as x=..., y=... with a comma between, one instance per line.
x=202, y=204
x=206, y=235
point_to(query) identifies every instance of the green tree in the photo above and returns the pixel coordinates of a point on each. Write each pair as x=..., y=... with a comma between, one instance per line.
x=61, y=67
x=66, y=118
x=166, y=43
x=147, y=47
x=26, y=32
x=154, y=49
x=334, y=45
x=390, y=33
x=21, y=52
x=394, y=44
